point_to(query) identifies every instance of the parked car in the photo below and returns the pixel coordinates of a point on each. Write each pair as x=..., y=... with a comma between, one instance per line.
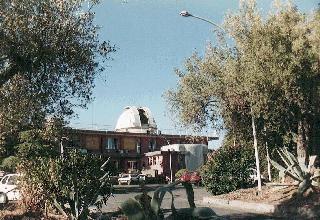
x=2, y=173
x=141, y=177
x=254, y=177
x=8, y=186
x=128, y=179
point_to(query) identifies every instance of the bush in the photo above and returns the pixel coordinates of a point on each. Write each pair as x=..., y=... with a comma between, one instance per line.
x=70, y=183
x=228, y=169
x=179, y=173
x=9, y=164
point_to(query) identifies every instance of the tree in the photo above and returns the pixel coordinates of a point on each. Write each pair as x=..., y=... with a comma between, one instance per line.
x=266, y=78
x=50, y=55
x=281, y=60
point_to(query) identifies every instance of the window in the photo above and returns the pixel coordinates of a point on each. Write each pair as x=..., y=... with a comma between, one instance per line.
x=154, y=160
x=12, y=180
x=132, y=164
x=152, y=145
x=138, y=147
x=112, y=143
x=4, y=180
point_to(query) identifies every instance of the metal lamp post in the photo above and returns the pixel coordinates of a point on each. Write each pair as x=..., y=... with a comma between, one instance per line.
x=187, y=14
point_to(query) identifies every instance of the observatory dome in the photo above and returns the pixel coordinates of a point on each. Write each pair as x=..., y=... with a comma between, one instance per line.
x=136, y=120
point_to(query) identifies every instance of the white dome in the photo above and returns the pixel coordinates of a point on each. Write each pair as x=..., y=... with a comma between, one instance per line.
x=136, y=120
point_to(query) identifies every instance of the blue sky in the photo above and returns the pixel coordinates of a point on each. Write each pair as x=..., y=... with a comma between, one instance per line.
x=152, y=40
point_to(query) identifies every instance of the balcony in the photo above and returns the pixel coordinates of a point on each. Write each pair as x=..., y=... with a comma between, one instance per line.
x=121, y=153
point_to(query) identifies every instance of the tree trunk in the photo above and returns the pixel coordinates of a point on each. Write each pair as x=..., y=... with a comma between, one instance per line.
x=256, y=153
x=302, y=141
x=269, y=164
x=268, y=156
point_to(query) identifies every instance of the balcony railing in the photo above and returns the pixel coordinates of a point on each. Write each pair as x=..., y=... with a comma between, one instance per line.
x=122, y=153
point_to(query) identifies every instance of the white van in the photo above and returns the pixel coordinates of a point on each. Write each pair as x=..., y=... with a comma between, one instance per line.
x=8, y=185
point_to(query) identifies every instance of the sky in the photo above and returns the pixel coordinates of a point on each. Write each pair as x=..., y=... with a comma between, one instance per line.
x=152, y=39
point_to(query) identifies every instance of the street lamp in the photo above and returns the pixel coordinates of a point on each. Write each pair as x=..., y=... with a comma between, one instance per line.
x=187, y=14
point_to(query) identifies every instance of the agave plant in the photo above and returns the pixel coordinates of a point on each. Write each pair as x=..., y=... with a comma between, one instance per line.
x=303, y=174
x=80, y=209
x=143, y=207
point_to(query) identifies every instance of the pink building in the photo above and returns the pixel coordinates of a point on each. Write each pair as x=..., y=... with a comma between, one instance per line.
x=135, y=144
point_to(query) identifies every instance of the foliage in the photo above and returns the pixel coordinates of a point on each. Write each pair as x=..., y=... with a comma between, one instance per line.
x=43, y=140
x=297, y=170
x=70, y=182
x=267, y=70
x=9, y=164
x=179, y=173
x=143, y=207
x=50, y=55
x=228, y=170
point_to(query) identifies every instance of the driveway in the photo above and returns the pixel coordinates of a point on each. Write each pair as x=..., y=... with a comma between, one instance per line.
x=123, y=192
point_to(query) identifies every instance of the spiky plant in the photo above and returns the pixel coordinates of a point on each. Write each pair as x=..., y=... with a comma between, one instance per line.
x=302, y=173
x=143, y=207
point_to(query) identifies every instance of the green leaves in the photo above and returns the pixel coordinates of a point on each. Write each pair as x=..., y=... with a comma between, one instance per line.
x=269, y=70
x=296, y=170
x=228, y=170
x=49, y=56
x=140, y=208
x=158, y=197
x=133, y=210
x=71, y=183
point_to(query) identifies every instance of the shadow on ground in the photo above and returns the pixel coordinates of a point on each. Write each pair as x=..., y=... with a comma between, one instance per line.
x=124, y=189
x=244, y=216
x=249, y=216
x=307, y=207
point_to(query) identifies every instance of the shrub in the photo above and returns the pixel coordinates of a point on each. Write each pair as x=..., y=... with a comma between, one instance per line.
x=70, y=182
x=143, y=207
x=228, y=169
x=73, y=180
x=179, y=173
x=9, y=164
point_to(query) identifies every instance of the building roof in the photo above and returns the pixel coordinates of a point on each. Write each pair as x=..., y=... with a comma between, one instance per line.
x=153, y=153
x=136, y=120
x=185, y=147
x=131, y=134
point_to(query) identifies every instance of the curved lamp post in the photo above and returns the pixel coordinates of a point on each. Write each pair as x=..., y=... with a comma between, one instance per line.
x=187, y=14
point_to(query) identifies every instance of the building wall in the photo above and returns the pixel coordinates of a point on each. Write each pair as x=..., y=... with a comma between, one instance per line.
x=175, y=166
x=125, y=151
x=156, y=163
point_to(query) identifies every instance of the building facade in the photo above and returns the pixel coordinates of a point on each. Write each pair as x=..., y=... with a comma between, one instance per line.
x=134, y=138
x=126, y=150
